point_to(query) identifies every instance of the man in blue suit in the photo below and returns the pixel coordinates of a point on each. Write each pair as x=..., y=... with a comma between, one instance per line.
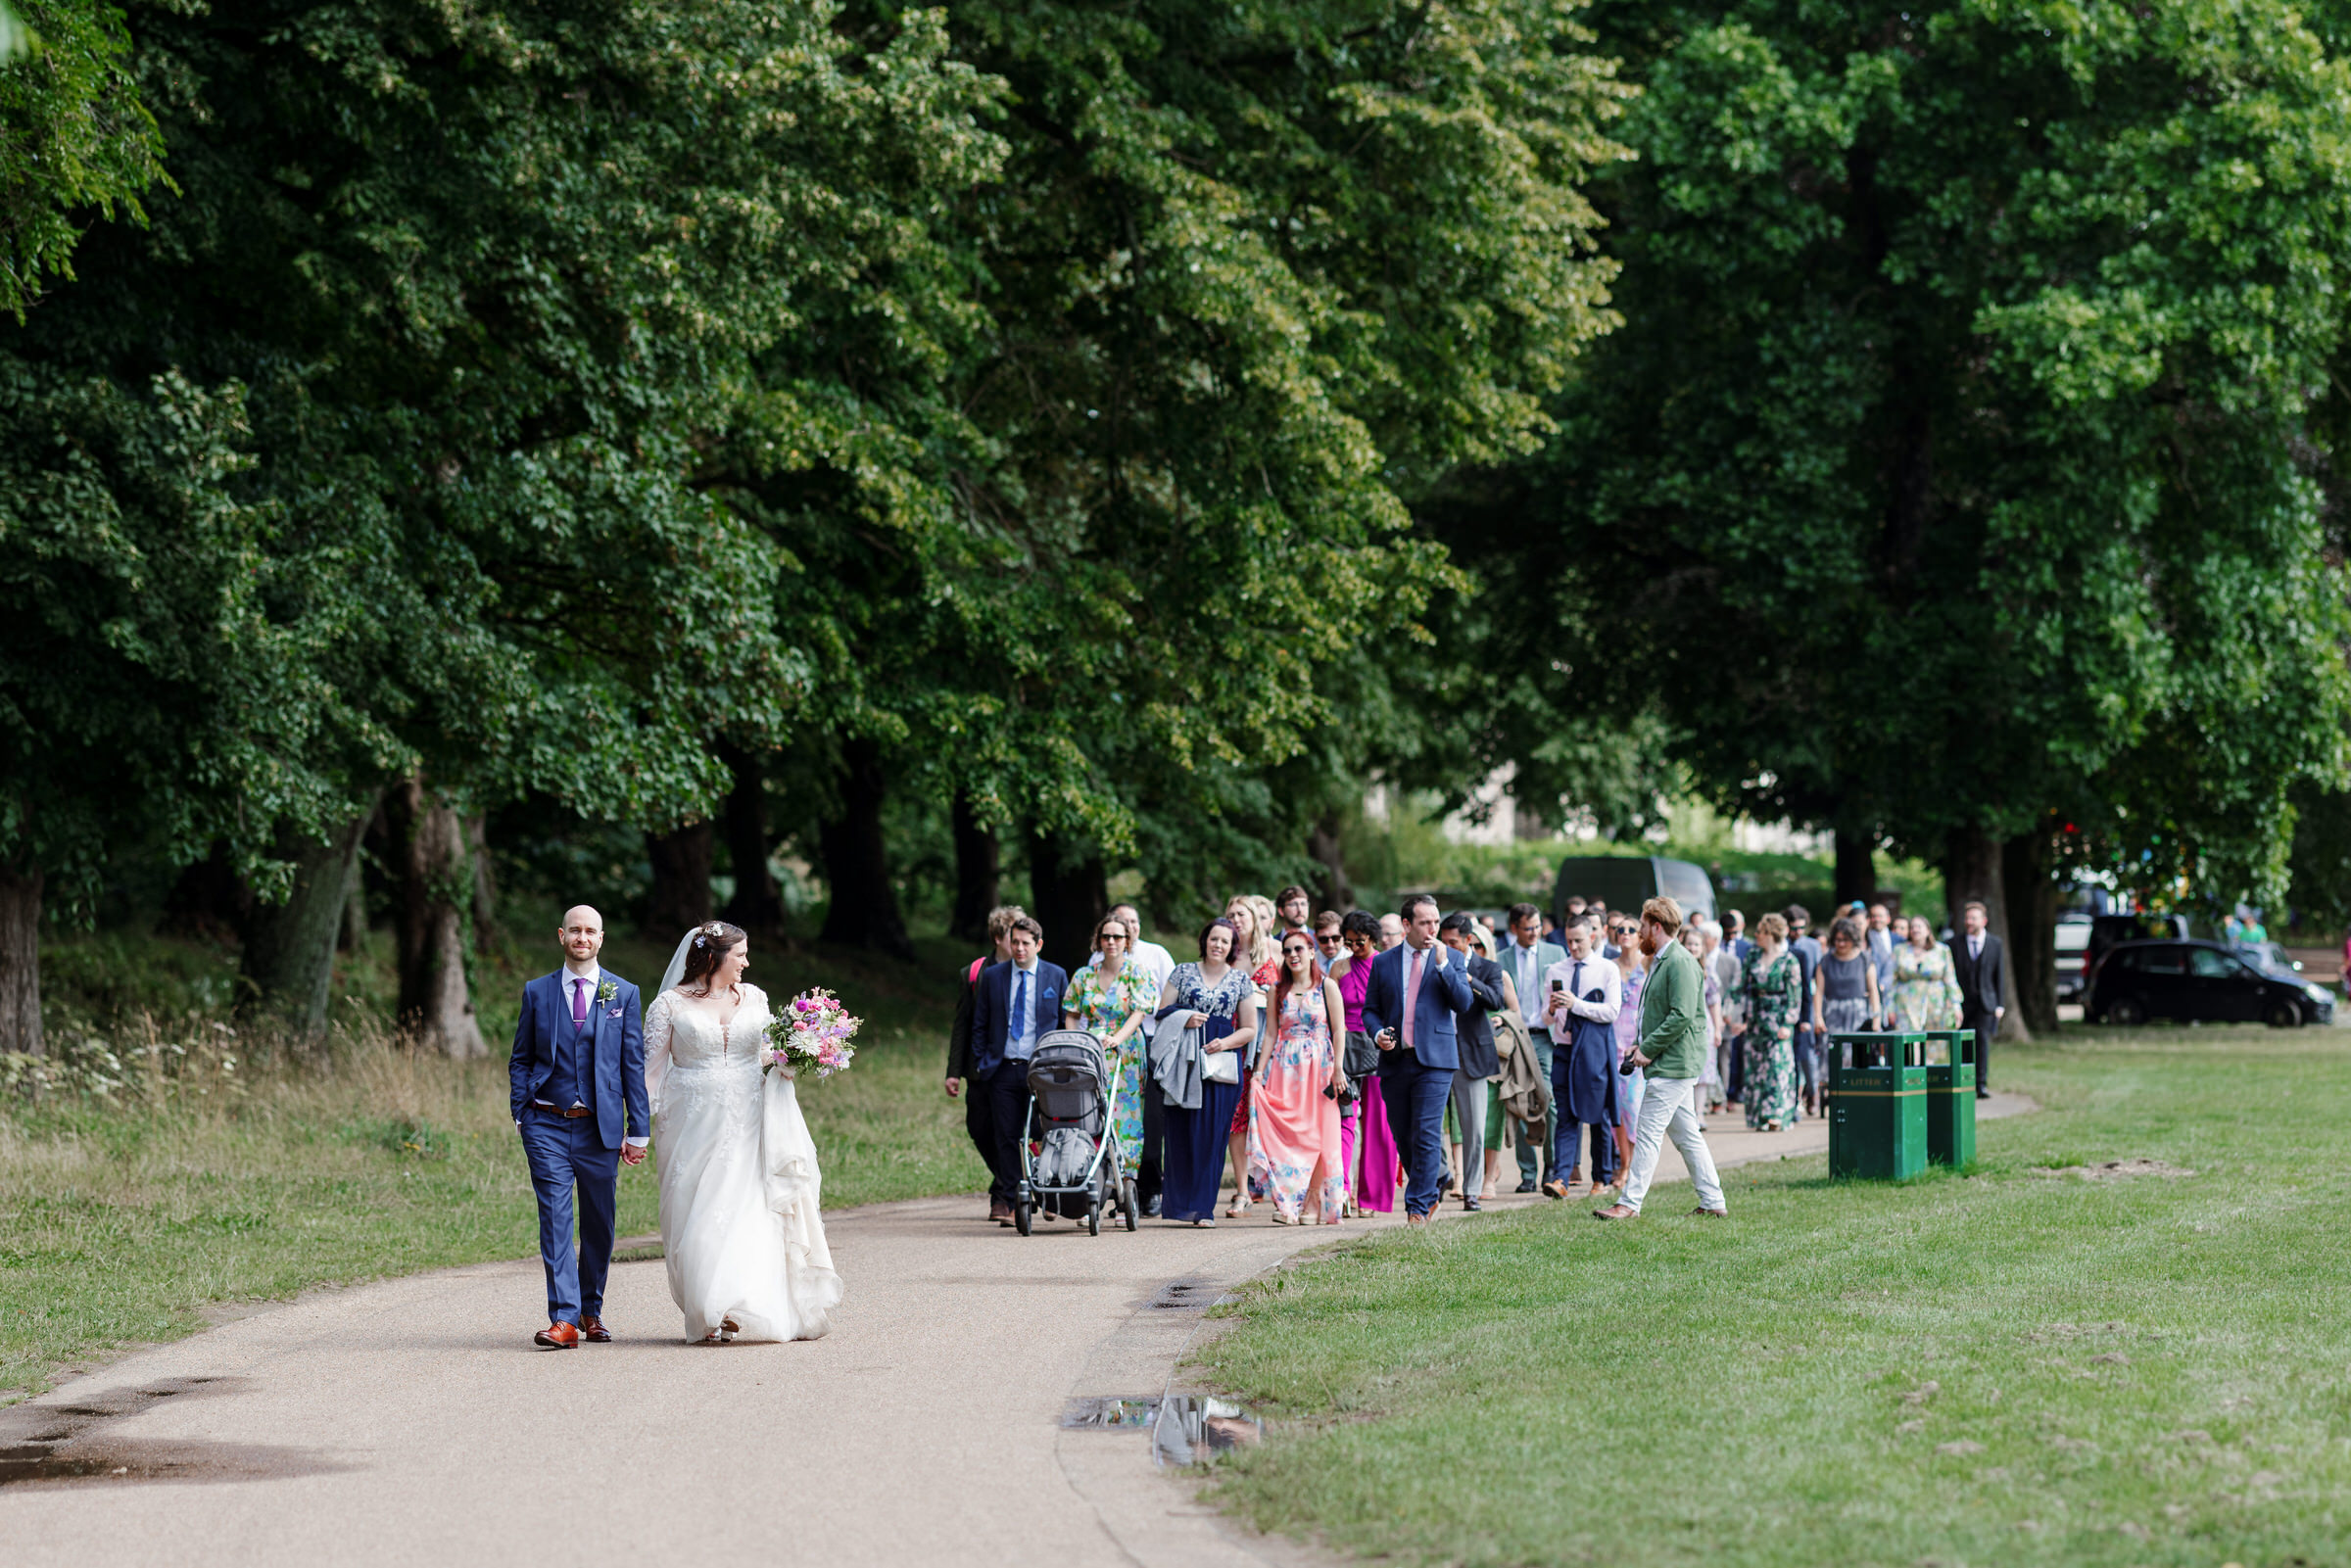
x=578, y=1077
x=1017, y=1001
x=1416, y=992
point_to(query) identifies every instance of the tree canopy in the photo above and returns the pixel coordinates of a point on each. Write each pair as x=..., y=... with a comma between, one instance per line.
x=1953, y=472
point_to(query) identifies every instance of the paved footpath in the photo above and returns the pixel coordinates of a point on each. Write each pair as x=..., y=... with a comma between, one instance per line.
x=411, y=1422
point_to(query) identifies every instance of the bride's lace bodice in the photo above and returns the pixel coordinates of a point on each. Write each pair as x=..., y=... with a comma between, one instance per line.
x=686, y=1033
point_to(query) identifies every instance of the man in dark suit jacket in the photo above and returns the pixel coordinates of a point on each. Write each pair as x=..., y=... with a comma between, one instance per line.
x=577, y=1077
x=1980, y=964
x=1417, y=990
x=1473, y=1039
x=976, y=1123
x=1017, y=1002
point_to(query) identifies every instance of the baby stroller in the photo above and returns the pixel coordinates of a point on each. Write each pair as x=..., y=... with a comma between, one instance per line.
x=1069, y=1154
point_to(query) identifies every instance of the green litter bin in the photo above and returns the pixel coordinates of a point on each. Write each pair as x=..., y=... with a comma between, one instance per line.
x=1877, y=1106
x=1952, y=1097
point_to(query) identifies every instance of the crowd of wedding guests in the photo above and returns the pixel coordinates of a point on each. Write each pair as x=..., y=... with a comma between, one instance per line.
x=1287, y=1057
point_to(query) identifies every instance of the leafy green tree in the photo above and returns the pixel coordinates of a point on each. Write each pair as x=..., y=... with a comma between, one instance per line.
x=497, y=285
x=74, y=138
x=1951, y=478
x=1254, y=274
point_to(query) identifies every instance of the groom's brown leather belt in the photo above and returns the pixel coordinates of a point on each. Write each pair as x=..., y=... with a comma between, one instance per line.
x=573, y=1115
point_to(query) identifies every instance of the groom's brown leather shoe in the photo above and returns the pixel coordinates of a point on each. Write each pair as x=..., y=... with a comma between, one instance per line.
x=557, y=1337
x=592, y=1330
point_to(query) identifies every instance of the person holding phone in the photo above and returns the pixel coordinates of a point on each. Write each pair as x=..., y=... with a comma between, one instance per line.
x=1582, y=997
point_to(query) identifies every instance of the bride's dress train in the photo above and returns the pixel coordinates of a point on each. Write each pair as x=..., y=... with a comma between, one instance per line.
x=740, y=1185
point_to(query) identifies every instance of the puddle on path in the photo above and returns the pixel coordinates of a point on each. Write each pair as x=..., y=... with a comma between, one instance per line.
x=1185, y=1428
x=69, y=1445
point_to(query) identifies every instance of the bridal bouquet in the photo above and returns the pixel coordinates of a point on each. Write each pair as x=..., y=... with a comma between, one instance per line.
x=811, y=1035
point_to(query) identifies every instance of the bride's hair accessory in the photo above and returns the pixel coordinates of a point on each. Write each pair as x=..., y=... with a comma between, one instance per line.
x=700, y=951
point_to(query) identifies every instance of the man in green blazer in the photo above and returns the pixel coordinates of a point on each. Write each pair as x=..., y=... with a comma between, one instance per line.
x=1674, y=1040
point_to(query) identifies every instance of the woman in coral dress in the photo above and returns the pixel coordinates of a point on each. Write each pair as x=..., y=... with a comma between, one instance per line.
x=1294, y=1112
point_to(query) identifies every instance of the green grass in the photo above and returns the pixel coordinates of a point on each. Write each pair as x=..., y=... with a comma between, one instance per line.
x=2012, y=1367
x=203, y=1180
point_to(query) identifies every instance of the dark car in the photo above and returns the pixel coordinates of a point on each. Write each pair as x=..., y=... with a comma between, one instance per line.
x=2136, y=982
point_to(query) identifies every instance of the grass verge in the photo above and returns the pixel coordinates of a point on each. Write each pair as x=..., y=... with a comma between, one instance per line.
x=2013, y=1367
x=204, y=1181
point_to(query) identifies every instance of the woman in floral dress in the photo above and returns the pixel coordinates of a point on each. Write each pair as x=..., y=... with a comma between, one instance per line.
x=1110, y=1001
x=1294, y=1115
x=1252, y=915
x=1773, y=982
x=1926, y=993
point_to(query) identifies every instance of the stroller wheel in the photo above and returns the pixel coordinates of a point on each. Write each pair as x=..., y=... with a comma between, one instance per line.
x=1019, y=1218
x=1093, y=1219
x=1127, y=1202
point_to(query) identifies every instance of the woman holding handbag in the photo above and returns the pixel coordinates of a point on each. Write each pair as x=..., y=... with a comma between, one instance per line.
x=1221, y=1002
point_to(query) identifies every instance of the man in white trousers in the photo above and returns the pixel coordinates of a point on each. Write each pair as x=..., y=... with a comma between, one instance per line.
x=1672, y=1050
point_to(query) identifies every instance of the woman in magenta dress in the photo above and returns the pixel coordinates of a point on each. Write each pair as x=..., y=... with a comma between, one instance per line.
x=1370, y=1145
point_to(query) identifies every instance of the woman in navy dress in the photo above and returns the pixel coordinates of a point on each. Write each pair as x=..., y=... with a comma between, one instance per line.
x=1223, y=1003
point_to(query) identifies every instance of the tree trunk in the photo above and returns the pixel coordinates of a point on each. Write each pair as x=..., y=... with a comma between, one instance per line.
x=1856, y=866
x=681, y=895
x=435, y=889
x=977, y=866
x=1069, y=893
x=1322, y=843
x=2032, y=919
x=289, y=957
x=1973, y=870
x=485, y=884
x=354, y=930
x=757, y=904
x=864, y=907
x=21, y=960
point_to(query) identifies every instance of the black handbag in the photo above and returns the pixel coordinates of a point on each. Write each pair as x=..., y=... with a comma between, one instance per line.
x=1363, y=1057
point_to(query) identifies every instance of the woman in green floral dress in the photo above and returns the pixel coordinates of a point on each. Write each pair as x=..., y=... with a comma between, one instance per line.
x=1109, y=1000
x=1772, y=984
x=1926, y=993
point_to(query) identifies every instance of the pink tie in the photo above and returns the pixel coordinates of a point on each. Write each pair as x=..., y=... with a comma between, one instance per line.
x=1411, y=995
x=579, y=999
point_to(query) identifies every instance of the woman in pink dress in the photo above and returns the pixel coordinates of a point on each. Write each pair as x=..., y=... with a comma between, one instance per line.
x=1370, y=1145
x=1294, y=1111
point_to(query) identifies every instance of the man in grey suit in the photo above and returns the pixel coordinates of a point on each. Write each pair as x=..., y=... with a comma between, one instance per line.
x=1526, y=960
x=1980, y=964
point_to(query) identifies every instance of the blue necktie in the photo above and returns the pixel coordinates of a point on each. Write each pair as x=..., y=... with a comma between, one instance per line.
x=1020, y=1009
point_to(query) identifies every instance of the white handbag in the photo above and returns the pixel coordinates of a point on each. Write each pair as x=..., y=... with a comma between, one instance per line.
x=1219, y=1066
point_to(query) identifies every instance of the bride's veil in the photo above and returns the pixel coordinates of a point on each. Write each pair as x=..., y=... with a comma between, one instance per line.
x=676, y=972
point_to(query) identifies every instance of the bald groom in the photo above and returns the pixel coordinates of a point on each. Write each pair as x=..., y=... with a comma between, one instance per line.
x=578, y=1074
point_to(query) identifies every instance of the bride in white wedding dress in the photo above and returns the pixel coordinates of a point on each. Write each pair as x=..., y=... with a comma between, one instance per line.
x=739, y=1227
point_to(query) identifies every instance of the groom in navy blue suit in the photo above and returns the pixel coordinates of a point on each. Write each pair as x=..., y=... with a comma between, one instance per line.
x=1416, y=992
x=577, y=1074
x=1018, y=1000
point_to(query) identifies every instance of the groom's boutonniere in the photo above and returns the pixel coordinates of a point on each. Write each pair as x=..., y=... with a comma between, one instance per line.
x=606, y=991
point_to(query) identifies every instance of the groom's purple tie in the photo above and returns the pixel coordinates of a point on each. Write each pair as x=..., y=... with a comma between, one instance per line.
x=579, y=999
